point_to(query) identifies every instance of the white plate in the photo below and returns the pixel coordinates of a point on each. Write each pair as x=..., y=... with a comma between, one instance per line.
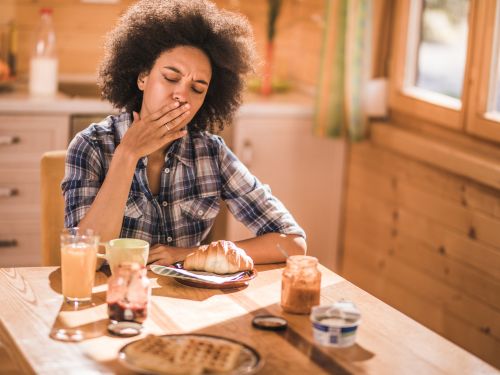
x=238, y=280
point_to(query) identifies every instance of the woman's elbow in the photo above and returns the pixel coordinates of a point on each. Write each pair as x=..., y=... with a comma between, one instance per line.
x=299, y=245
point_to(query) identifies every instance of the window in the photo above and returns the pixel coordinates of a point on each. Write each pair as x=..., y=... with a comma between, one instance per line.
x=445, y=64
x=437, y=48
x=429, y=60
x=483, y=111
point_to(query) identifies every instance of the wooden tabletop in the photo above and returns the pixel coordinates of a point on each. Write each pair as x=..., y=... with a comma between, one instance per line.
x=388, y=342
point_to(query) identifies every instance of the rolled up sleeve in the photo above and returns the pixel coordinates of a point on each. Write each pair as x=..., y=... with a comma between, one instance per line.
x=82, y=179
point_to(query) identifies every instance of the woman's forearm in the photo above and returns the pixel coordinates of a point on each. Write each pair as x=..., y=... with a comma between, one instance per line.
x=262, y=249
x=105, y=215
x=266, y=248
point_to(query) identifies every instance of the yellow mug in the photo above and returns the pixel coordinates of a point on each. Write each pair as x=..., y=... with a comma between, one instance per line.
x=122, y=250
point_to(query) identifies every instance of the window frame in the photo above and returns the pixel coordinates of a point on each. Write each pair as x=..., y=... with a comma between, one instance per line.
x=476, y=122
x=417, y=103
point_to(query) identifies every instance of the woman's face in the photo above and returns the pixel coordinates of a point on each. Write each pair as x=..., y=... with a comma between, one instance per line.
x=181, y=74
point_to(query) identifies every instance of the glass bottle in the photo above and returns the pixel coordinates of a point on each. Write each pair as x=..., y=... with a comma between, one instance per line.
x=129, y=293
x=12, y=50
x=300, y=284
x=44, y=63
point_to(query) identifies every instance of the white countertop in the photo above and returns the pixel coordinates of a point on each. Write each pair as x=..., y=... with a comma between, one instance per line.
x=20, y=102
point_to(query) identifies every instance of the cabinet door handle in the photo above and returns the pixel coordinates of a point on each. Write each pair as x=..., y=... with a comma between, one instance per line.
x=8, y=192
x=247, y=153
x=6, y=140
x=8, y=243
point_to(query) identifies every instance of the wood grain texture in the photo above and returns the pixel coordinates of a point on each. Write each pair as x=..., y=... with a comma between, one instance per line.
x=425, y=240
x=444, y=155
x=388, y=342
x=81, y=28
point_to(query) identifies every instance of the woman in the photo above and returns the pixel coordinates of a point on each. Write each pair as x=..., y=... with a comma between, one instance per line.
x=154, y=171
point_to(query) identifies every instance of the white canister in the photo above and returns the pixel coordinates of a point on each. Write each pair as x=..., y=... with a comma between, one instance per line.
x=335, y=325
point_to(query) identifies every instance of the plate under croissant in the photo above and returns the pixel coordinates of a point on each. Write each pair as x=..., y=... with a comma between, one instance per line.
x=240, y=281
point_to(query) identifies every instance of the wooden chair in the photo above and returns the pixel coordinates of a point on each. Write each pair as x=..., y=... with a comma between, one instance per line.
x=52, y=206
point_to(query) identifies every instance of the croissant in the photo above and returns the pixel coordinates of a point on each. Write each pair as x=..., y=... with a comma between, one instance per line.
x=219, y=257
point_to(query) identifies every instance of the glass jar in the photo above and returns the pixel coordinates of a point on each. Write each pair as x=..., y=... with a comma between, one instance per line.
x=300, y=284
x=129, y=293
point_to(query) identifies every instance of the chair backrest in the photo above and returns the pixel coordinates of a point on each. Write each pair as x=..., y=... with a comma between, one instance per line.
x=52, y=206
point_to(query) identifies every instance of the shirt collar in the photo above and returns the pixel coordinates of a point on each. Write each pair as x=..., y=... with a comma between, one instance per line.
x=122, y=123
x=182, y=149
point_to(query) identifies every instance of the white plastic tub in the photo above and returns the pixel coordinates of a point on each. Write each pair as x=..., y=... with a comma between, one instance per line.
x=335, y=325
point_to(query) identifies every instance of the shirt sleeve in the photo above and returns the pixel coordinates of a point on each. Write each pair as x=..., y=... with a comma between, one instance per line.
x=250, y=201
x=82, y=179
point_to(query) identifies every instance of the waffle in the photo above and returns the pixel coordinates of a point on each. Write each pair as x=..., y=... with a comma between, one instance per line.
x=191, y=356
x=213, y=355
x=159, y=355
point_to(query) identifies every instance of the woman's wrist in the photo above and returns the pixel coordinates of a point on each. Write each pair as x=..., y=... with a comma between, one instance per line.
x=179, y=254
x=127, y=156
x=165, y=255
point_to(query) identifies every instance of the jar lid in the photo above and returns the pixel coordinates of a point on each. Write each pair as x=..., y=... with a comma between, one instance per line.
x=270, y=322
x=302, y=261
x=125, y=329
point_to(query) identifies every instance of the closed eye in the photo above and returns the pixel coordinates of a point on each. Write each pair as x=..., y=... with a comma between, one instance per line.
x=198, y=91
x=171, y=79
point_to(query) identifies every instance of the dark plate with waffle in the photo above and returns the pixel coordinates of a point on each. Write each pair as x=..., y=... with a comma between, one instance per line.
x=192, y=354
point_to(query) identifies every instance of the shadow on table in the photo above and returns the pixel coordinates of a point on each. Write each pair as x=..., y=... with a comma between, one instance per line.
x=278, y=348
x=166, y=286
x=55, y=279
x=289, y=351
x=80, y=321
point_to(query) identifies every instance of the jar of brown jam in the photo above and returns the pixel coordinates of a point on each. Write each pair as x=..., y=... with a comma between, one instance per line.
x=300, y=284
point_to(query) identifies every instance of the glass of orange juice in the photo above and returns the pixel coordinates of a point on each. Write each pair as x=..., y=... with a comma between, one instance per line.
x=78, y=262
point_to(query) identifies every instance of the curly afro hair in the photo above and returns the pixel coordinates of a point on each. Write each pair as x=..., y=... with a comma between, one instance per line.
x=151, y=27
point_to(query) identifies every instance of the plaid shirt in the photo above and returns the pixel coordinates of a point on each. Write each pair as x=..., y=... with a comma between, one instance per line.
x=199, y=170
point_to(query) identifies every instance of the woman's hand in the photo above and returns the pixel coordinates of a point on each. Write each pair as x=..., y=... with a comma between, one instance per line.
x=166, y=255
x=154, y=131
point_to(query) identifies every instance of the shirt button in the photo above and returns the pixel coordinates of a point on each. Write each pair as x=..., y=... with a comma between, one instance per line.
x=200, y=212
x=167, y=170
x=164, y=203
x=169, y=239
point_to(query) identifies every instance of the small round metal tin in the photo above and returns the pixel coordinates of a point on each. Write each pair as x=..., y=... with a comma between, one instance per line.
x=269, y=322
x=125, y=329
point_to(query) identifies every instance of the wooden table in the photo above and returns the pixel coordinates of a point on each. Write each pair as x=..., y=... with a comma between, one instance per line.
x=388, y=342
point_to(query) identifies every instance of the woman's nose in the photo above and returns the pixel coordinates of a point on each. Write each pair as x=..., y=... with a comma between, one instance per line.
x=180, y=95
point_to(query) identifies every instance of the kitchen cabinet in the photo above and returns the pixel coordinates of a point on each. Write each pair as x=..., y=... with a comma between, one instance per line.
x=23, y=140
x=29, y=127
x=305, y=172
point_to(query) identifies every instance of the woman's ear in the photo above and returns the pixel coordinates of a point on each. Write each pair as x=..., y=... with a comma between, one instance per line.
x=141, y=81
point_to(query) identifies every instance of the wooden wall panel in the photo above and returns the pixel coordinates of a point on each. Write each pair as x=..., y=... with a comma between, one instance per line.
x=426, y=241
x=8, y=11
x=425, y=299
x=80, y=29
